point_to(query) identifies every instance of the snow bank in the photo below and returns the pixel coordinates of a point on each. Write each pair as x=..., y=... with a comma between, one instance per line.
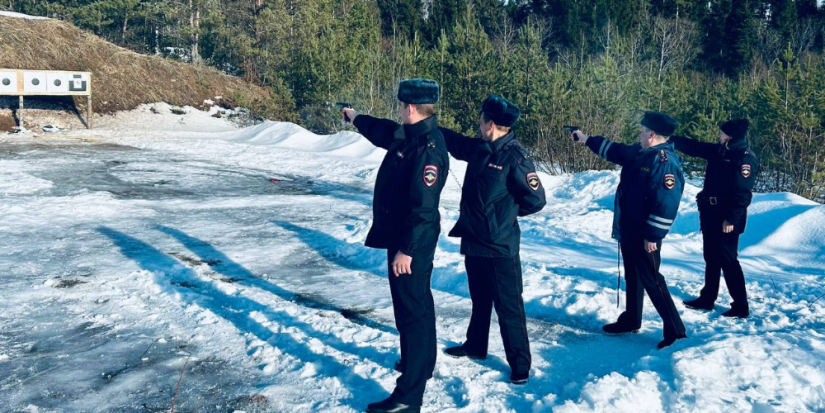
x=287, y=135
x=21, y=16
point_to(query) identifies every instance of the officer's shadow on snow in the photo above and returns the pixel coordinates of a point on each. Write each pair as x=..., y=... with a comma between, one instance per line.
x=184, y=283
x=343, y=191
x=341, y=253
x=234, y=271
x=356, y=257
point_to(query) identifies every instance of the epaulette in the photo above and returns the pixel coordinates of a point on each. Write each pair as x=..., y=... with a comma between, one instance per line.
x=520, y=152
x=663, y=155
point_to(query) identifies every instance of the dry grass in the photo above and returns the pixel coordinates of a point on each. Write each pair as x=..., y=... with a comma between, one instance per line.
x=7, y=123
x=121, y=79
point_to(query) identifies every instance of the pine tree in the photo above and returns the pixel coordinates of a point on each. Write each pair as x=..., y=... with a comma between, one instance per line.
x=400, y=17
x=740, y=32
x=469, y=70
x=442, y=15
x=785, y=20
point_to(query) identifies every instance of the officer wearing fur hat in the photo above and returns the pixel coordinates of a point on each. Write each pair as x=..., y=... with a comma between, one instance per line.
x=646, y=203
x=406, y=223
x=500, y=185
x=723, y=211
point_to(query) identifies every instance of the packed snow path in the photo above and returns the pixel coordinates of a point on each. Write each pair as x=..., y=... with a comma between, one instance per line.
x=236, y=256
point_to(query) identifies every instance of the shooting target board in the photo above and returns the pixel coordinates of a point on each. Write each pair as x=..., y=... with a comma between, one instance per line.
x=24, y=83
x=44, y=83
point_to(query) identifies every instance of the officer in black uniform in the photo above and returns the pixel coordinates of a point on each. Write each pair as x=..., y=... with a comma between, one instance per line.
x=723, y=211
x=647, y=200
x=406, y=223
x=500, y=185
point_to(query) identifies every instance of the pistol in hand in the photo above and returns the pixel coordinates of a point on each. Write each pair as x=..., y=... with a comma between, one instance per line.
x=570, y=130
x=345, y=105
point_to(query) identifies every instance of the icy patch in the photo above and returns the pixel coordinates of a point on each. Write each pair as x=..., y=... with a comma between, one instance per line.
x=20, y=183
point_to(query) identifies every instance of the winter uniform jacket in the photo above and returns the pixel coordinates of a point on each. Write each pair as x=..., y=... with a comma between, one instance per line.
x=729, y=179
x=409, y=184
x=650, y=188
x=500, y=185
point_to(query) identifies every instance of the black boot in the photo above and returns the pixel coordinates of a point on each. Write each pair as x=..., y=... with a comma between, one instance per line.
x=699, y=304
x=737, y=312
x=519, y=378
x=389, y=405
x=458, y=351
x=668, y=341
x=619, y=328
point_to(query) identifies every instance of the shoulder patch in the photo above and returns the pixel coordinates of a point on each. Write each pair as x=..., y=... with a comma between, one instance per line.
x=533, y=181
x=430, y=175
x=746, y=171
x=670, y=181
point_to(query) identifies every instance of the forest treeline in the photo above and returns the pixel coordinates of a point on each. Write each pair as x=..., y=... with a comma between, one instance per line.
x=597, y=63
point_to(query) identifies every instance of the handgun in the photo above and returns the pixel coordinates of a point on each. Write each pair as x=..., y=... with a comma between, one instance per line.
x=343, y=105
x=571, y=129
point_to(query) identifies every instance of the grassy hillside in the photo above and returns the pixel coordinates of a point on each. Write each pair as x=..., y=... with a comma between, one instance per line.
x=123, y=79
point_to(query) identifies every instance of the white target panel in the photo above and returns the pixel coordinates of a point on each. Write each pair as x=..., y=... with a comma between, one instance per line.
x=57, y=82
x=78, y=82
x=8, y=82
x=34, y=82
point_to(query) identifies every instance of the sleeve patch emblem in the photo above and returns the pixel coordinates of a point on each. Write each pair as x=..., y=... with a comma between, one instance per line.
x=430, y=175
x=533, y=181
x=670, y=181
x=746, y=171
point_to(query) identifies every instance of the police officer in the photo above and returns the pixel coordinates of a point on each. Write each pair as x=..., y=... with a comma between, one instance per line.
x=646, y=203
x=500, y=185
x=723, y=211
x=406, y=223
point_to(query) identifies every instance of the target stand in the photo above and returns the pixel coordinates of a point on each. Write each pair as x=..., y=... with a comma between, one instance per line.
x=23, y=83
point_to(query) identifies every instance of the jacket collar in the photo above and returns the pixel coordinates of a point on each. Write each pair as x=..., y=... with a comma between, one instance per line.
x=734, y=147
x=667, y=146
x=421, y=127
x=501, y=142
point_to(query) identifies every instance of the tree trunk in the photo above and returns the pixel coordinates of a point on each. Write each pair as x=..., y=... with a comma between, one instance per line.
x=123, y=30
x=194, y=23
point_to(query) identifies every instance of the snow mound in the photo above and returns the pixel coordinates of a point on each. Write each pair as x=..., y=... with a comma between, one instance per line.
x=786, y=228
x=287, y=135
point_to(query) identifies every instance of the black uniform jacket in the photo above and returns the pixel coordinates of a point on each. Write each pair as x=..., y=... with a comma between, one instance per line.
x=729, y=179
x=409, y=184
x=500, y=185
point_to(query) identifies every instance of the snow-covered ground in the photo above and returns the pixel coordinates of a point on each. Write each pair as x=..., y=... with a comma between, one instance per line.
x=159, y=244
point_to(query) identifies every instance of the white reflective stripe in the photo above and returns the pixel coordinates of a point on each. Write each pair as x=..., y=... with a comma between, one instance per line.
x=660, y=219
x=609, y=144
x=658, y=225
x=601, y=148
